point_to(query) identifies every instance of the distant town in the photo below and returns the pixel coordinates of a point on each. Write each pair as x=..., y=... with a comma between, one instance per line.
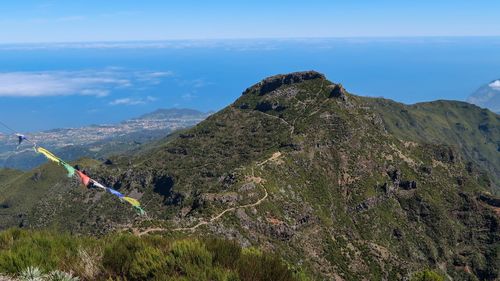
x=149, y=126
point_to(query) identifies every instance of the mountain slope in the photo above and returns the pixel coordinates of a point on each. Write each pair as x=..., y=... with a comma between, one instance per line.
x=336, y=182
x=472, y=130
x=487, y=96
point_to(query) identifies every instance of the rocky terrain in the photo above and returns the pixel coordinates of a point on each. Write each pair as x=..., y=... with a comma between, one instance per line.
x=351, y=188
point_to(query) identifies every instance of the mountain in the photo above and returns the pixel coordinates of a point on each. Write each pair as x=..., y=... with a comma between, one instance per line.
x=348, y=187
x=487, y=96
x=173, y=113
x=97, y=141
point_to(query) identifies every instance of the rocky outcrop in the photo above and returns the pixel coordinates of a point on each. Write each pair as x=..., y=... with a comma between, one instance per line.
x=267, y=106
x=337, y=91
x=407, y=185
x=490, y=200
x=444, y=153
x=368, y=204
x=177, y=150
x=274, y=82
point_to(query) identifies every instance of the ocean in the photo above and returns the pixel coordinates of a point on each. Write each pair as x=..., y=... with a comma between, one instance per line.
x=44, y=86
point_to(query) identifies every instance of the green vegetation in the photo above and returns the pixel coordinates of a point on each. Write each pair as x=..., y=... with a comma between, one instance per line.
x=358, y=188
x=427, y=275
x=35, y=274
x=52, y=256
x=473, y=130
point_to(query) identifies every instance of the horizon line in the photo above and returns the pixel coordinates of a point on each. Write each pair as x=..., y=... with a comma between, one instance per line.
x=220, y=39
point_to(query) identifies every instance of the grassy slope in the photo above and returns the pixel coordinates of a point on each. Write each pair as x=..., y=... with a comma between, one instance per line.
x=475, y=131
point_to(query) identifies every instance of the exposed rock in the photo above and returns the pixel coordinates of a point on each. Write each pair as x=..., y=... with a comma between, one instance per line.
x=387, y=188
x=408, y=184
x=426, y=169
x=394, y=174
x=471, y=168
x=185, y=211
x=484, y=128
x=177, y=150
x=186, y=136
x=304, y=220
x=337, y=91
x=367, y=204
x=23, y=220
x=444, y=153
x=229, y=180
x=490, y=200
x=267, y=106
x=274, y=82
x=293, y=146
x=37, y=176
x=279, y=230
x=247, y=187
x=397, y=233
x=163, y=186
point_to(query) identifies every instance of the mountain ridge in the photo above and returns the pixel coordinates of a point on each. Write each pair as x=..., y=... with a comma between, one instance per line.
x=353, y=186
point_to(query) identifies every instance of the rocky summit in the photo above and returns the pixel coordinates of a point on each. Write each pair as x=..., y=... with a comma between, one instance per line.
x=347, y=187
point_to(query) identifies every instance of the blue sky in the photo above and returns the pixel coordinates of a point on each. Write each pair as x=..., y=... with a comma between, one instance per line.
x=128, y=57
x=111, y=20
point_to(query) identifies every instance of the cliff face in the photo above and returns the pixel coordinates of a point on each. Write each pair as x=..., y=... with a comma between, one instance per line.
x=349, y=187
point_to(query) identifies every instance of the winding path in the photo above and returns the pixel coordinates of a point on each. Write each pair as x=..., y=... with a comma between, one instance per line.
x=193, y=228
x=252, y=178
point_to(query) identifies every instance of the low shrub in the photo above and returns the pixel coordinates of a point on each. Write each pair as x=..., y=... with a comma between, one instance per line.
x=46, y=256
x=427, y=275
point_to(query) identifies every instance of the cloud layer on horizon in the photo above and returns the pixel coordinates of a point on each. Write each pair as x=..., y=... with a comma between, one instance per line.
x=66, y=83
x=133, y=101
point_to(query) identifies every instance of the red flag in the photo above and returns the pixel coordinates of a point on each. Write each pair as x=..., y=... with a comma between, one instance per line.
x=84, y=178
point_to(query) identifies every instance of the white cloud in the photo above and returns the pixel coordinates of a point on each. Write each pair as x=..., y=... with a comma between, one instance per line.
x=95, y=92
x=126, y=101
x=98, y=83
x=133, y=101
x=153, y=78
x=225, y=44
x=161, y=74
x=495, y=85
x=200, y=83
x=189, y=96
x=58, y=83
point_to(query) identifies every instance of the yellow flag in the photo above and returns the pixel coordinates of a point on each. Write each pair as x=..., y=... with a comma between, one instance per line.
x=132, y=201
x=48, y=154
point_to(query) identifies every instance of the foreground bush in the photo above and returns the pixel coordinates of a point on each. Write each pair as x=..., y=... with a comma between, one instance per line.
x=53, y=256
x=427, y=275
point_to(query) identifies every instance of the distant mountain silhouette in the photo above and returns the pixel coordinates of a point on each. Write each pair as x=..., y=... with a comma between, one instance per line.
x=488, y=96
